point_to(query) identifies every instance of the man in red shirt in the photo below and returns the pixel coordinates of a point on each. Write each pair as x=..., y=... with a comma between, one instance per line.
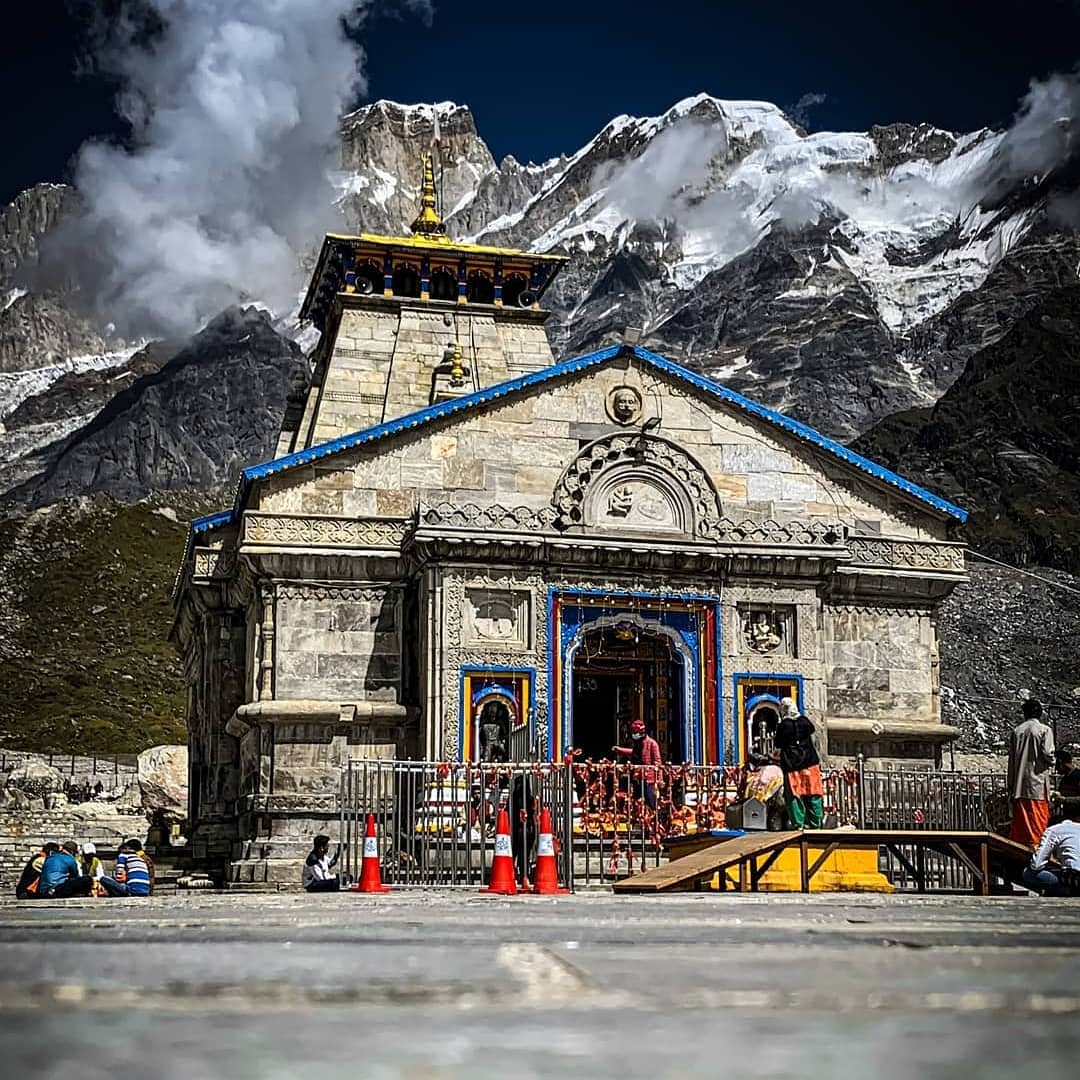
x=644, y=752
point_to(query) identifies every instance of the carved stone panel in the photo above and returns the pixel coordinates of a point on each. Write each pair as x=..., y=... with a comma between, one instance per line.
x=672, y=491
x=767, y=630
x=497, y=618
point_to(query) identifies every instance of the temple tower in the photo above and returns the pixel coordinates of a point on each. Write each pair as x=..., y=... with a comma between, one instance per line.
x=410, y=321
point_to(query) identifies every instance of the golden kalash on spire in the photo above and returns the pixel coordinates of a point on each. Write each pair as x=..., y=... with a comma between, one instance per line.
x=428, y=222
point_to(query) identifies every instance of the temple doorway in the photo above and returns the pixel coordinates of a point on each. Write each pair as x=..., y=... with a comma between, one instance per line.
x=622, y=672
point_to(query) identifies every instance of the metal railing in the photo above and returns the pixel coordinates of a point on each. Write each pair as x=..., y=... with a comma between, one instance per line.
x=437, y=820
x=930, y=799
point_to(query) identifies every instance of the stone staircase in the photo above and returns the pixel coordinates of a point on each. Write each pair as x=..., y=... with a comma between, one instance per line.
x=267, y=866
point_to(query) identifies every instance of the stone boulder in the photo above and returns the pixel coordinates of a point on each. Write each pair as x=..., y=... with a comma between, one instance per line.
x=36, y=779
x=163, y=781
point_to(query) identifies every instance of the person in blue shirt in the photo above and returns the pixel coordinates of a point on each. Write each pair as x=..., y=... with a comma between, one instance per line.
x=134, y=872
x=61, y=875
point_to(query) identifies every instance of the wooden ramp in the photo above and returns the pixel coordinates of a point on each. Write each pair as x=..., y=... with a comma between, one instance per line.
x=754, y=853
x=689, y=871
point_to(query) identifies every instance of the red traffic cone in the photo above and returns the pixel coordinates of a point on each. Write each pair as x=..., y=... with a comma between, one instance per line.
x=546, y=882
x=370, y=873
x=502, y=880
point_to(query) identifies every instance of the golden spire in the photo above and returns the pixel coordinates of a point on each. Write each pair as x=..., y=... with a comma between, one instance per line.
x=428, y=222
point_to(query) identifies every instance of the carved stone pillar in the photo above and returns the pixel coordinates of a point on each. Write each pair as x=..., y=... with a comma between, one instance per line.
x=266, y=674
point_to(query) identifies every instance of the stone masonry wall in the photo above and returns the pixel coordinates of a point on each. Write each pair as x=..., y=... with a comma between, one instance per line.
x=338, y=643
x=385, y=355
x=879, y=664
x=516, y=452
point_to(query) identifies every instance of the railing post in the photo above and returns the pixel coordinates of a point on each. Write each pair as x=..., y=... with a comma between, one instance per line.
x=860, y=772
x=568, y=824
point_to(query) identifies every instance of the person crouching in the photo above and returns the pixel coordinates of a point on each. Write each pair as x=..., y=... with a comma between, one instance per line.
x=317, y=866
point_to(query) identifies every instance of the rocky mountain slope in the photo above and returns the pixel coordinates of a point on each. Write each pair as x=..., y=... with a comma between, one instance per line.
x=840, y=277
x=85, y=610
x=191, y=425
x=1005, y=438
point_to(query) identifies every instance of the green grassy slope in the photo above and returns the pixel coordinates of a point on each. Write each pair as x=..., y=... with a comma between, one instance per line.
x=85, y=611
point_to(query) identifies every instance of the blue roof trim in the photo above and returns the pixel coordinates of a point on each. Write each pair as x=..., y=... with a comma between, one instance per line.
x=199, y=525
x=804, y=431
x=211, y=521
x=568, y=367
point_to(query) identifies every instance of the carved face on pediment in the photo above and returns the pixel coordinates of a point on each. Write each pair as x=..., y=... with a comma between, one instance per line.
x=624, y=405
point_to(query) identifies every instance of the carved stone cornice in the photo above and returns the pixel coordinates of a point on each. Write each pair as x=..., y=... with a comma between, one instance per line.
x=517, y=519
x=920, y=555
x=817, y=534
x=299, y=530
x=544, y=524
x=311, y=590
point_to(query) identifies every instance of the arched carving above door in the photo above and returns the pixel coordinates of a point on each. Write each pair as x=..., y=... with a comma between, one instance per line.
x=633, y=482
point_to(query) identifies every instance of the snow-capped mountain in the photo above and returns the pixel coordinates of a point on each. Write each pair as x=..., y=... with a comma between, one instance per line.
x=852, y=279
x=810, y=270
x=841, y=277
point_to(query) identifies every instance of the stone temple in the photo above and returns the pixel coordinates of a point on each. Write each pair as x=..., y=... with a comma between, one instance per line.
x=464, y=550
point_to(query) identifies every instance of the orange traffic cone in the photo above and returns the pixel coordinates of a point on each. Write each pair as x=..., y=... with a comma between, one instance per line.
x=502, y=866
x=546, y=882
x=370, y=873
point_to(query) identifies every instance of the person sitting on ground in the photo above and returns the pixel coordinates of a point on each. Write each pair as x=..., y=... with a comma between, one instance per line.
x=317, y=866
x=1061, y=843
x=60, y=876
x=804, y=789
x=1069, y=782
x=134, y=872
x=30, y=878
x=92, y=868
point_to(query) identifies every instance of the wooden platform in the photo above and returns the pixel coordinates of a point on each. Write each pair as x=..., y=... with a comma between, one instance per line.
x=754, y=853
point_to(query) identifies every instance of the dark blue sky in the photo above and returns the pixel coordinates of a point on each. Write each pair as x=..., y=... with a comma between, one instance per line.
x=542, y=78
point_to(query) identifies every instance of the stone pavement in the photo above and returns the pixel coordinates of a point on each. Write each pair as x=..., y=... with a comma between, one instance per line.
x=448, y=986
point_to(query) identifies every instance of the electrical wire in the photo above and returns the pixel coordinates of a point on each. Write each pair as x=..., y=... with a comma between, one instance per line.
x=1027, y=573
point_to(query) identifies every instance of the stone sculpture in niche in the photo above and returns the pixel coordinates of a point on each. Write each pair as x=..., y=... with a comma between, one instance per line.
x=763, y=631
x=624, y=405
x=639, y=502
x=621, y=501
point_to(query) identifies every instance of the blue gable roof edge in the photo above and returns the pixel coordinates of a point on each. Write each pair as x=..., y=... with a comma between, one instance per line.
x=416, y=419
x=199, y=525
x=804, y=431
x=566, y=367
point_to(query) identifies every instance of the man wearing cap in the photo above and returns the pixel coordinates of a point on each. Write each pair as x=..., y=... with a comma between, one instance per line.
x=93, y=869
x=645, y=753
x=1031, y=757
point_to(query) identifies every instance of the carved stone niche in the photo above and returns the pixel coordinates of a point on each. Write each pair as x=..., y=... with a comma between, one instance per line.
x=497, y=618
x=638, y=500
x=767, y=630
